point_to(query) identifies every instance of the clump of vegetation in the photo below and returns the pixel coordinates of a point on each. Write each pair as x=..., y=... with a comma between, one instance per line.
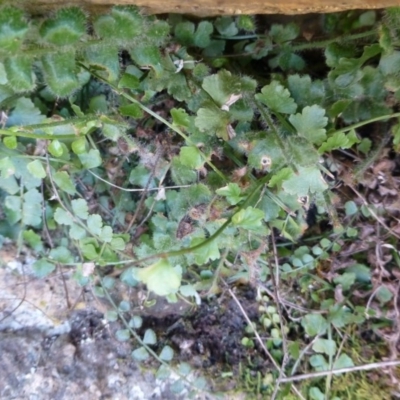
x=180, y=155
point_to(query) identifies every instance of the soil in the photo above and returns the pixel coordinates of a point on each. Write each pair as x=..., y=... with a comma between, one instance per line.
x=52, y=350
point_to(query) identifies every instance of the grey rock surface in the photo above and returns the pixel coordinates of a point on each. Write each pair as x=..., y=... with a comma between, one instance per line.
x=49, y=352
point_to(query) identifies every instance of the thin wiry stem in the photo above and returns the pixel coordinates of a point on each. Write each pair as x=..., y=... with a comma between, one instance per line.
x=269, y=355
x=365, y=367
x=136, y=190
x=275, y=281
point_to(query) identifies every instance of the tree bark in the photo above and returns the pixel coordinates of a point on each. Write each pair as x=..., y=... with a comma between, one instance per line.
x=223, y=7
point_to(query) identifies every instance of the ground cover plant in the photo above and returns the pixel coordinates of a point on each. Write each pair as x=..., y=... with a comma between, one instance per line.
x=190, y=157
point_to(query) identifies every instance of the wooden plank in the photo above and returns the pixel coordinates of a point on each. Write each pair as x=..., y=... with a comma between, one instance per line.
x=219, y=7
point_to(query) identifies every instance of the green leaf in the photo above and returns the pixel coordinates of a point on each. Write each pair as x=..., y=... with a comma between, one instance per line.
x=146, y=55
x=124, y=306
x=131, y=110
x=284, y=33
x=361, y=271
x=64, y=182
x=128, y=278
x=266, y=154
x=281, y=176
x=307, y=180
x=24, y=113
x=310, y=123
x=287, y=60
x=19, y=73
x=186, y=35
x=259, y=48
x=36, y=169
x=344, y=361
x=180, y=174
x=338, y=107
x=232, y=193
x=384, y=295
x=7, y=167
x=122, y=335
x=346, y=280
x=318, y=362
x=348, y=70
x=200, y=383
x=117, y=243
x=367, y=18
x=180, y=117
x=10, y=142
x=111, y=132
x=33, y=240
x=161, y=278
x=77, y=110
x=42, y=268
x=365, y=145
x=149, y=337
x=9, y=185
x=79, y=145
x=340, y=316
x=106, y=59
x=190, y=156
x=315, y=393
x=136, y=322
x=246, y=22
x=389, y=64
x=277, y=98
x=63, y=217
x=32, y=208
x=205, y=253
x=89, y=248
x=158, y=31
x=13, y=27
x=325, y=346
x=350, y=208
x=61, y=254
x=66, y=28
x=177, y=87
x=140, y=354
x=222, y=85
x=351, y=232
x=106, y=234
x=339, y=140
x=140, y=176
x=250, y=218
x=270, y=208
x=213, y=121
x=306, y=91
x=60, y=72
x=80, y=208
x=129, y=81
x=202, y=36
x=95, y=224
x=91, y=159
x=122, y=25
x=76, y=232
x=385, y=39
x=226, y=26
x=314, y=324
x=167, y=354
x=184, y=32
x=56, y=148
x=97, y=104
x=190, y=291
x=184, y=368
x=111, y=315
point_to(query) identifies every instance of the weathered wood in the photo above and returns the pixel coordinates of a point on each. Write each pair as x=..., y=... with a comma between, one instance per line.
x=226, y=7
